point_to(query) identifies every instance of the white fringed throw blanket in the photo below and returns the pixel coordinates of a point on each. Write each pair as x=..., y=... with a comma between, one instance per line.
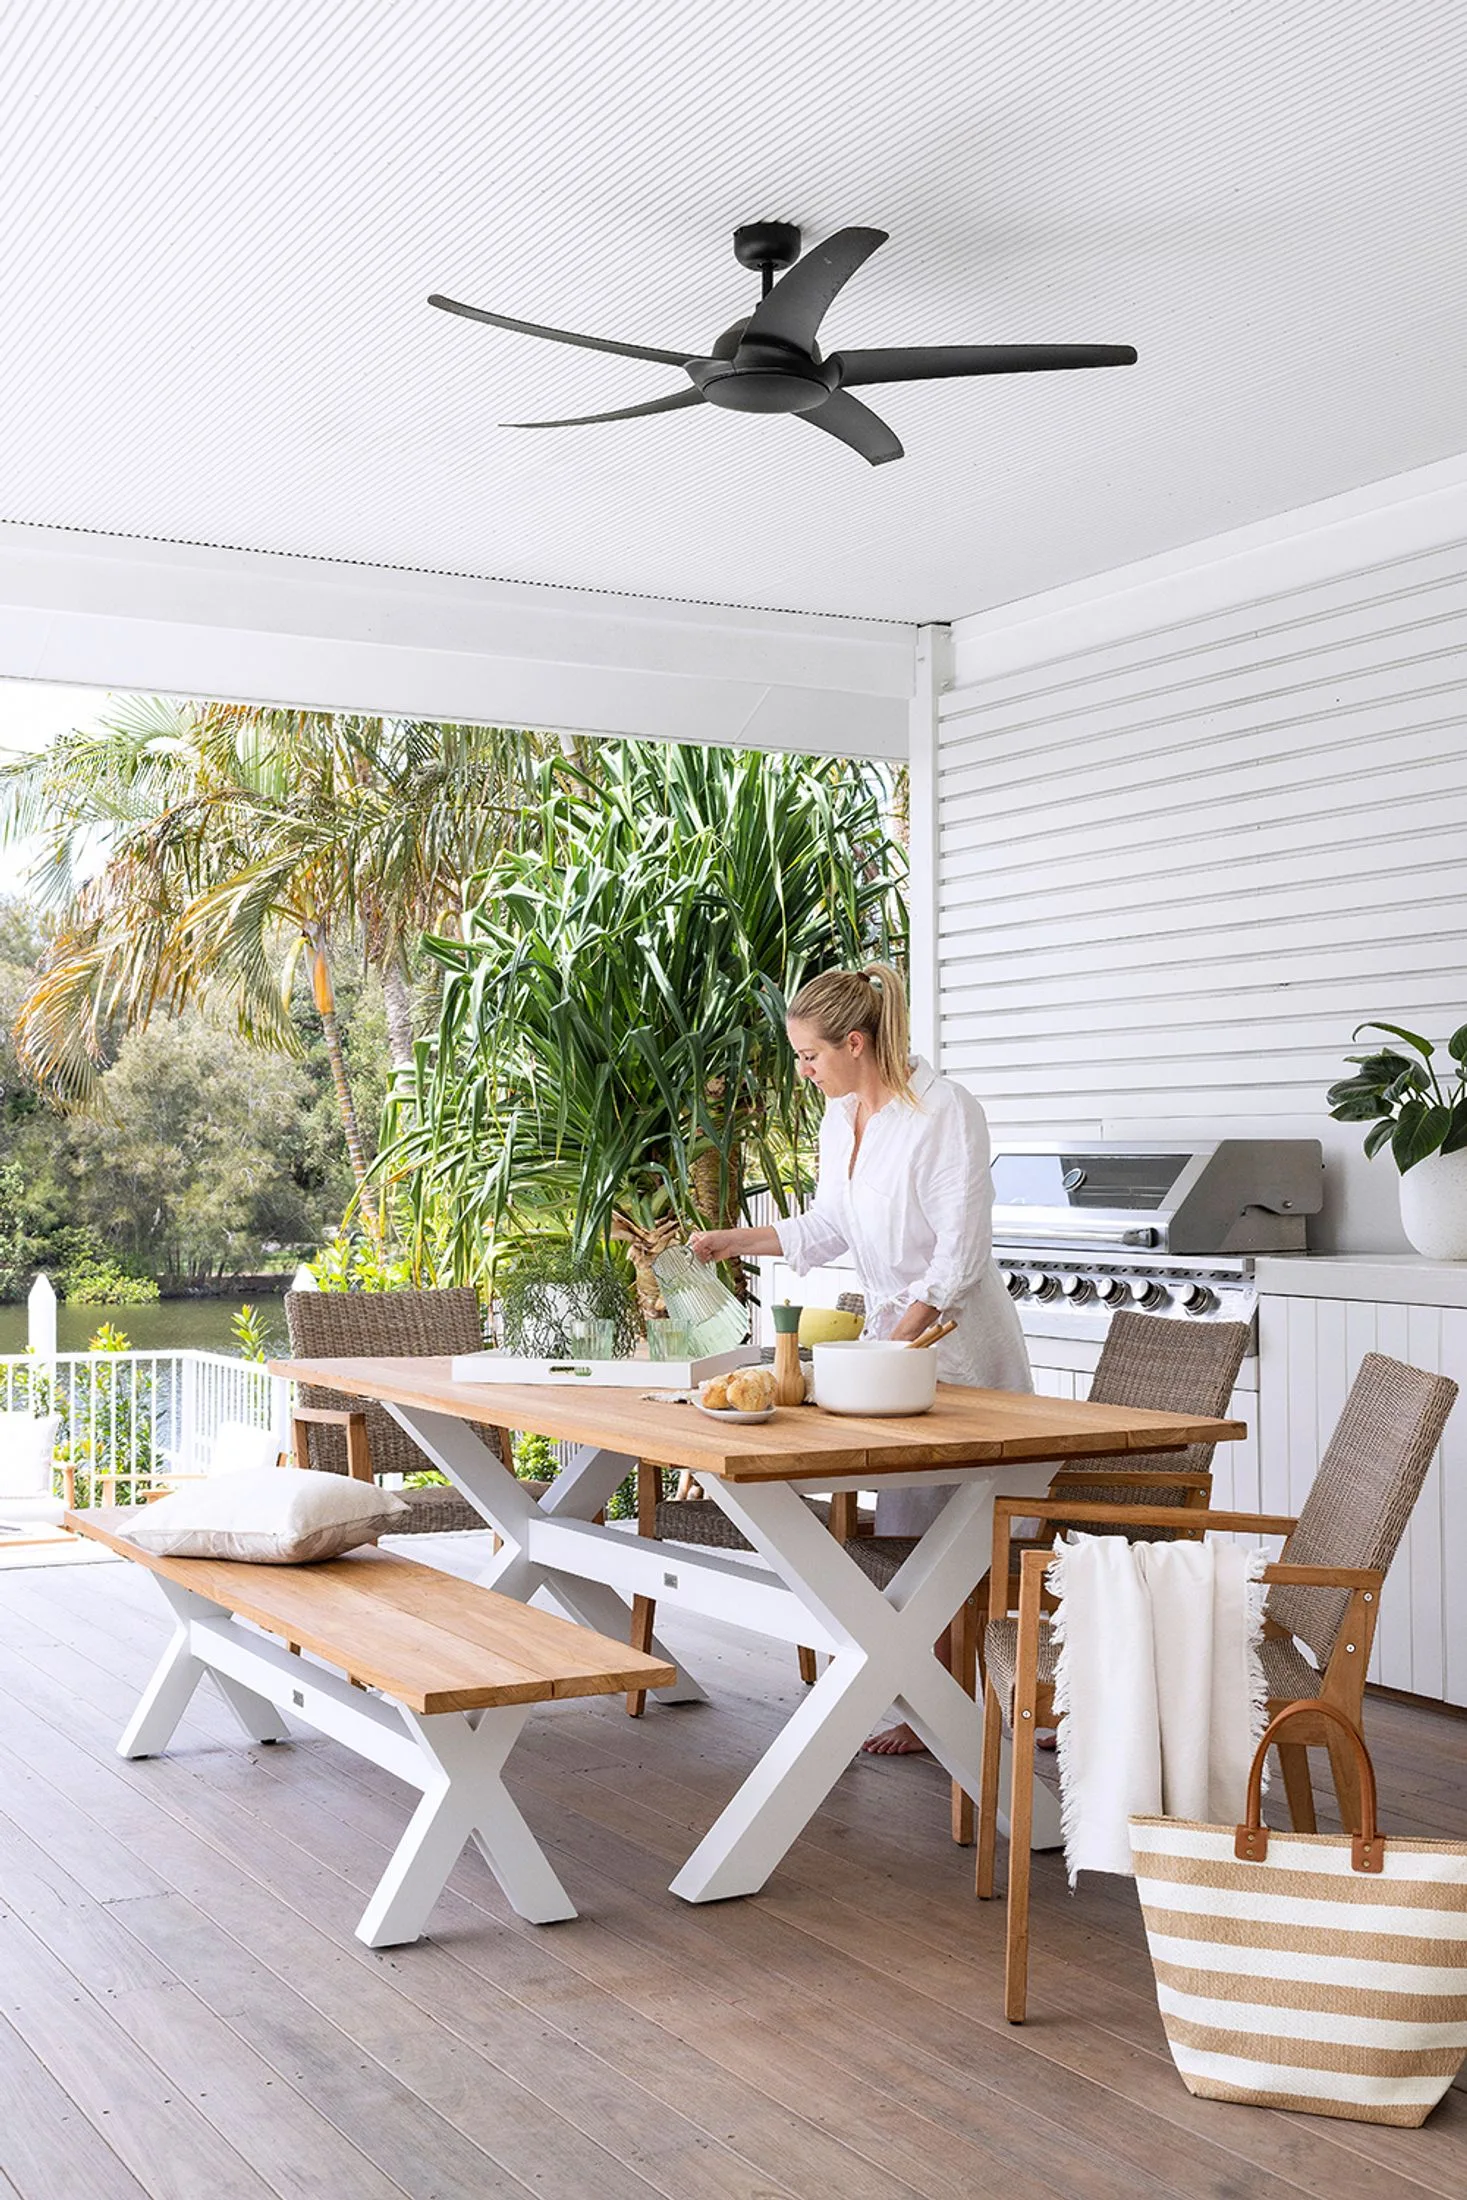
x=1160, y=1685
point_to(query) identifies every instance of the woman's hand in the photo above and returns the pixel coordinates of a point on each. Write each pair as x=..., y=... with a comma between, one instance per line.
x=714, y=1244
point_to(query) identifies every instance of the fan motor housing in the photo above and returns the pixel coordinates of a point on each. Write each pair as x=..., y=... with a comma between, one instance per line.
x=764, y=378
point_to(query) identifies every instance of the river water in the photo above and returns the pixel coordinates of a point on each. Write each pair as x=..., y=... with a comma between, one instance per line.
x=169, y=1325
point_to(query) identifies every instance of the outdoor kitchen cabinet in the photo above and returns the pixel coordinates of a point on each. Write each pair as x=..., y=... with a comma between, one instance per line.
x=1318, y=1315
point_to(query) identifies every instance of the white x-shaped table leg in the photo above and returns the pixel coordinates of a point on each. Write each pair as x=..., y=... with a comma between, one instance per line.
x=884, y=1655
x=581, y=1489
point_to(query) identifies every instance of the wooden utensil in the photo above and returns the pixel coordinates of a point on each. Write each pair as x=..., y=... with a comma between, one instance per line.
x=931, y=1336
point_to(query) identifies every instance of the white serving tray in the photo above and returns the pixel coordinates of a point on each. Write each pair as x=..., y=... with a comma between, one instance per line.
x=639, y=1374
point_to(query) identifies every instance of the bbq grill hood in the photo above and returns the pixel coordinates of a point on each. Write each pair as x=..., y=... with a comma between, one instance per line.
x=1238, y=1195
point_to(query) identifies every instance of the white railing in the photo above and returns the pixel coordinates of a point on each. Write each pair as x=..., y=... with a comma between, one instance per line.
x=128, y=1419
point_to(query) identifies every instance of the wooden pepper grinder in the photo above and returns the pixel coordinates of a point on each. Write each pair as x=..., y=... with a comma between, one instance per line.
x=789, y=1376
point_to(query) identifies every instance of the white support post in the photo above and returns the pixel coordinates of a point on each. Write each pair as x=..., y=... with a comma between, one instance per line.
x=933, y=678
x=41, y=1319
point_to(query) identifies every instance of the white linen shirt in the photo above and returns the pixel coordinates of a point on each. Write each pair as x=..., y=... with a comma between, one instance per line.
x=916, y=1213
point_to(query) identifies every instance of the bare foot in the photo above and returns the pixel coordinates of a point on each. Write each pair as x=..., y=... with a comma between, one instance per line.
x=897, y=1741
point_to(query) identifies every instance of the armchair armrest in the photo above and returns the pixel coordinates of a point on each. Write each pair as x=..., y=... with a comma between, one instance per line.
x=1077, y=1514
x=358, y=1449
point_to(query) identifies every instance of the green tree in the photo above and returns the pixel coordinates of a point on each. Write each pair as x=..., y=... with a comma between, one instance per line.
x=196, y=1158
x=242, y=844
x=611, y=1040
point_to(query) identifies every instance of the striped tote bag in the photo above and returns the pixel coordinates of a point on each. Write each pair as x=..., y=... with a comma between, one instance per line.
x=1324, y=1972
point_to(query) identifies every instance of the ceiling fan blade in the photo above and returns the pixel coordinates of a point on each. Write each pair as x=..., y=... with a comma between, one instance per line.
x=795, y=307
x=563, y=335
x=851, y=422
x=675, y=403
x=929, y=363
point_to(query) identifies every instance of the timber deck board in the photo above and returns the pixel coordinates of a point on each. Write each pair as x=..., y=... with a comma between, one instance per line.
x=187, y=2007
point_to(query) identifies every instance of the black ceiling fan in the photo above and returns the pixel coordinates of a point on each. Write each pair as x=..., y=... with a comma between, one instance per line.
x=769, y=362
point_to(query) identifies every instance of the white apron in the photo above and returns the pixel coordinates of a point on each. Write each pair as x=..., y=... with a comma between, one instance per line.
x=916, y=1215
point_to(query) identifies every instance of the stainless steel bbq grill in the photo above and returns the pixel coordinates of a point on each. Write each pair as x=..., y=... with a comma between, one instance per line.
x=1080, y=1230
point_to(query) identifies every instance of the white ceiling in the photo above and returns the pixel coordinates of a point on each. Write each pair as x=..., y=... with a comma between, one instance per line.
x=221, y=224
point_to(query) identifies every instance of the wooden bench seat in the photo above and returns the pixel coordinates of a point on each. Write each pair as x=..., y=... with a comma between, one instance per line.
x=455, y=1670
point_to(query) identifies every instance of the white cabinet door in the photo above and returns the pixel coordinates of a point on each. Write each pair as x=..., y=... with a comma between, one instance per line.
x=1310, y=1350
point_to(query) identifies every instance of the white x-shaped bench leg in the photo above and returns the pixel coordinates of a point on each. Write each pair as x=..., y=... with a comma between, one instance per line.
x=581, y=1489
x=467, y=1801
x=455, y=1758
x=884, y=1655
x=177, y=1675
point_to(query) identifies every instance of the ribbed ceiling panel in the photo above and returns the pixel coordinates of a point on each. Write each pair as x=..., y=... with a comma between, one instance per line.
x=222, y=223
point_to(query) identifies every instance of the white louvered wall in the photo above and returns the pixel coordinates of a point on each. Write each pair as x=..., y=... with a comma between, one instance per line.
x=1181, y=856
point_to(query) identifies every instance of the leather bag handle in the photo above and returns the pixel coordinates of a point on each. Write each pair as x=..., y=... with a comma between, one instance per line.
x=1367, y=1847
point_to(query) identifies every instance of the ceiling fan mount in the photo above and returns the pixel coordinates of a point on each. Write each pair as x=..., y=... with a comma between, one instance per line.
x=769, y=361
x=766, y=248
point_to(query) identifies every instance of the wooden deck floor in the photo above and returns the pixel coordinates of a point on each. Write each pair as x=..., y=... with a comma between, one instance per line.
x=184, y=2013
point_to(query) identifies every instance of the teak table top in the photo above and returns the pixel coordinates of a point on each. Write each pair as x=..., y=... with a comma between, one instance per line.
x=426, y=1638
x=964, y=1428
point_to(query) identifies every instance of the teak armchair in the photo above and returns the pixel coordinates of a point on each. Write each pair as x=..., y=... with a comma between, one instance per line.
x=1324, y=1590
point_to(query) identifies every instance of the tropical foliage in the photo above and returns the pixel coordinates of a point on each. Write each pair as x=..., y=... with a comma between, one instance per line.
x=1405, y=1100
x=610, y=1051
x=240, y=846
x=202, y=1156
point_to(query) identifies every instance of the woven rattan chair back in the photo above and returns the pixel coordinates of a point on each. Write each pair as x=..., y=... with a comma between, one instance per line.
x=1174, y=1367
x=1362, y=1497
x=374, y=1325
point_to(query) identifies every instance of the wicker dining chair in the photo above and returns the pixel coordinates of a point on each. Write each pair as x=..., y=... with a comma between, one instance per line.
x=1150, y=1360
x=339, y=1434
x=1324, y=1593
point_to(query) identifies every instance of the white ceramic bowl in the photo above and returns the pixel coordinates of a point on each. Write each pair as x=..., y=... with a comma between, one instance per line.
x=871, y=1377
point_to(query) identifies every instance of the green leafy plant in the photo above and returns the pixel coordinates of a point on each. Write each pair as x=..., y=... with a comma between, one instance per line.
x=1408, y=1104
x=534, y=1457
x=248, y=1329
x=546, y=1285
x=109, y=1425
x=610, y=1052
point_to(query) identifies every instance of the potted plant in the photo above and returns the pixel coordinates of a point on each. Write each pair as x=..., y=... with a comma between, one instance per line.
x=1420, y=1112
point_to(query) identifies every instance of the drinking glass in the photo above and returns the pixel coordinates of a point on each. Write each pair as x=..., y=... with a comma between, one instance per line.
x=590, y=1337
x=669, y=1341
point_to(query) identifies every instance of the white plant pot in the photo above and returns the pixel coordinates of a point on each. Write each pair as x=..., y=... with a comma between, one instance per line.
x=1434, y=1205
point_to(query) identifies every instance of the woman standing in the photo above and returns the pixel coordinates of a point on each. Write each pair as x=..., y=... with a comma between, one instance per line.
x=904, y=1187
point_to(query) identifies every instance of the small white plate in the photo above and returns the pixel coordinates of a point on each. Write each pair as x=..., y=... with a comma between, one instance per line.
x=731, y=1413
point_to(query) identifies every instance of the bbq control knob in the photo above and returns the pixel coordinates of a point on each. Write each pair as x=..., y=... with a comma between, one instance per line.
x=1150, y=1295
x=1078, y=1290
x=1112, y=1290
x=1198, y=1298
x=1044, y=1287
x=1018, y=1285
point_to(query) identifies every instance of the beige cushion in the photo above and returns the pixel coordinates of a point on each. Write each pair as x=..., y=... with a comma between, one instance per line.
x=26, y=1443
x=268, y=1516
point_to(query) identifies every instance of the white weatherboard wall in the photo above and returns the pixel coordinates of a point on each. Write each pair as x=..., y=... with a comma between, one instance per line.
x=1197, y=820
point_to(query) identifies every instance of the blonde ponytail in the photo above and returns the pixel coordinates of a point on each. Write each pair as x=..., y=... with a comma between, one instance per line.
x=873, y=1001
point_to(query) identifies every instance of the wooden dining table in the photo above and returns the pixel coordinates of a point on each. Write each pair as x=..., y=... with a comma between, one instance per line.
x=801, y=1586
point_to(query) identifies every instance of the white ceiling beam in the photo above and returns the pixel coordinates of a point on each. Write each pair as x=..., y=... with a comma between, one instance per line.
x=94, y=610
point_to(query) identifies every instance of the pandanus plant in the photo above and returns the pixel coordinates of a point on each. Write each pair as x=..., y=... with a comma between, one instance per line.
x=610, y=1053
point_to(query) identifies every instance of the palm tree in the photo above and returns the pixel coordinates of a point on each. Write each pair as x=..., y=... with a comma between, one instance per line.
x=239, y=842
x=610, y=1046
